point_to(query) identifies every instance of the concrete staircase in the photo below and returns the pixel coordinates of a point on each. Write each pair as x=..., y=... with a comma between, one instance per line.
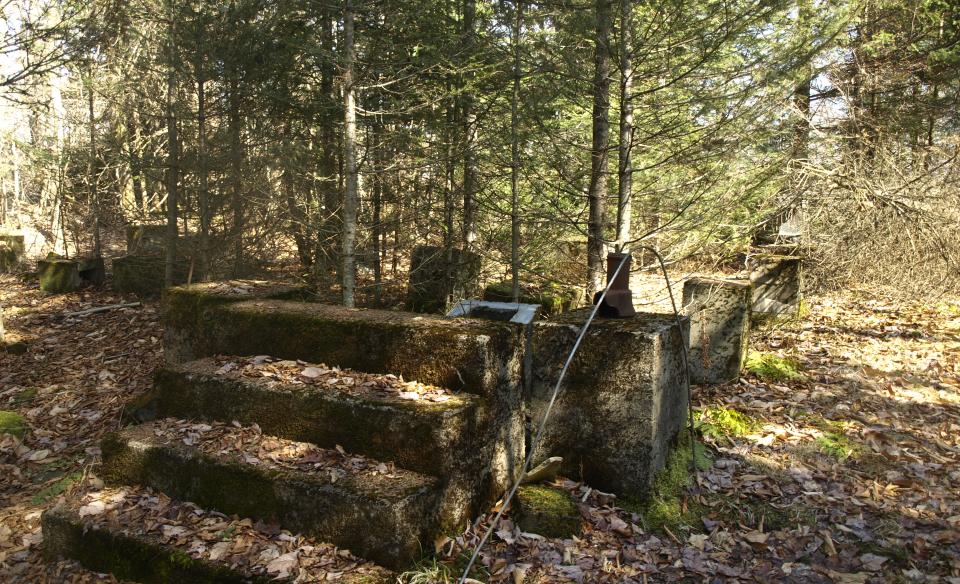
x=258, y=417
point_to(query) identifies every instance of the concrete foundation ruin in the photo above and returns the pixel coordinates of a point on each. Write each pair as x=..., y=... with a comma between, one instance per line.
x=11, y=252
x=719, y=312
x=58, y=275
x=777, y=283
x=429, y=414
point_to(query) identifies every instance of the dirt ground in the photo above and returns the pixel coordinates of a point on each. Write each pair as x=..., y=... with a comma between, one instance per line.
x=833, y=459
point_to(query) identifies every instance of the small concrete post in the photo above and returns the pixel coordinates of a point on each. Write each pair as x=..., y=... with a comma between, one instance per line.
x=719, y=312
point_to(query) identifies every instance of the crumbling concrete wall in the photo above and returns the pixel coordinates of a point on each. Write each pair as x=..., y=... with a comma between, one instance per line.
x=144, y=274
x=58, y=275
x=623, y=400
x=719, y=312
x=11, y=252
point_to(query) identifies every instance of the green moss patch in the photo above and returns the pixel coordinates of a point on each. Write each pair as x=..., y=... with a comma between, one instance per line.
x=771, y=367
x=24, y=397
x=668, y=507
x=13, y=423
x=718, y=422
x=547, y=511
x=838, y=446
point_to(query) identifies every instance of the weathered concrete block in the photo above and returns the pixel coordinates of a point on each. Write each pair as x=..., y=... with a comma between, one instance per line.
x=140, y=552
x=144, y=274
x=437, y=281
x=377, y=424
x=719, y=312
x=623, y=400
x=547, y=511
x=777, y=283
x=475, y=356
x=92, y=270
x=11, y=252
x=58, y=275
x=146, y=239
x=190, y=322
x=553, y=298
x=387, y=517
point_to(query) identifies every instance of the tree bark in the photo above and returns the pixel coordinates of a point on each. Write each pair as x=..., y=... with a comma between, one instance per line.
x=597, y=193
x=625, y=164
x=350, y=159
x=515, y=155
x=92, y=166
x=203, y=195
x=173, y=162
x=469, y=124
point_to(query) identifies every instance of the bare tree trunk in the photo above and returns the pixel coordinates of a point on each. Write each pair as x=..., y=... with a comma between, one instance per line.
x=350, y=194
x=136, y=164
x=203, y=195
x=92, y=166
x=330, y=228
x=469, y=123
x=625, y=166
x=173, y=151
x=378, y=181
x=515, y=155
x=597, y=193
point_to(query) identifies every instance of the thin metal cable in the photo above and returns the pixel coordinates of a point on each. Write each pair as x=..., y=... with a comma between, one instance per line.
x=541, y=428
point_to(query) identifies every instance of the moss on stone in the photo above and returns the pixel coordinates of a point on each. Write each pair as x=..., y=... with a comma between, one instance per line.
x=547, y=511
x=668, y=505
x=13, y=423
x=552, y=297
x=58, y=275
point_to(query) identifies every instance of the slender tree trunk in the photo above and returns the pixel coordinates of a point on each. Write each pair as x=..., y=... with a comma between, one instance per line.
x=92, y=166
x=469, y=125
x=173, y=164
x=236, y=172
x=625, y=164
x=203, y=195
x=597, y=193
x=515, y=154
x=330, y=223
x=136, y=165
x=350, y=194
x=378, y=180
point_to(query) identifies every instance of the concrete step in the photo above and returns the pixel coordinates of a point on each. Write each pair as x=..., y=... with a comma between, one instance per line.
x=381, y=512
x=376, y=415
x=142, y=536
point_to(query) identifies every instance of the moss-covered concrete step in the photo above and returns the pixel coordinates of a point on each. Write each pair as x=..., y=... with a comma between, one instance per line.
x=141, y=536
x=472, y=355
x=380, y=416
x=379, y=511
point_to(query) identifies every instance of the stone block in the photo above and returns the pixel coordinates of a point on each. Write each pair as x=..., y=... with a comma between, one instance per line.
x=546, y=511
x=474, y=356
x=777, y=284
x=140, y=553
x=146, y=239
x=373, y=423
x=11, y=252
x=58, y=275
x=92, y=270
x=387, y=517
x=189, y=319
x=719, y=312
x=622, y=402
x=436, y=281
x=144, y=274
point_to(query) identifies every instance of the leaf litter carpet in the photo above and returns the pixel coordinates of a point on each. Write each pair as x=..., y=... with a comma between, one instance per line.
x=846, y=471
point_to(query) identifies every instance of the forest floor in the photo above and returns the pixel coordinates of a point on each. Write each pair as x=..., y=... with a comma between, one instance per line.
x=835, y=458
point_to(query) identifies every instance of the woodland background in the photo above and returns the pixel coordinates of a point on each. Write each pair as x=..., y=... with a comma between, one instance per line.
x=338, y=135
